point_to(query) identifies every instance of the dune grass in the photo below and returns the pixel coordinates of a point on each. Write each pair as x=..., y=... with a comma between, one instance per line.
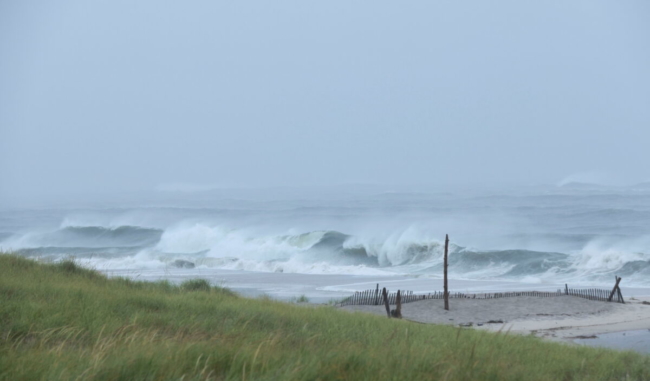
x=63, y=322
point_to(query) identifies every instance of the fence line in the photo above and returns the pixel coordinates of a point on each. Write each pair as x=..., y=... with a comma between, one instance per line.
x=373, y=297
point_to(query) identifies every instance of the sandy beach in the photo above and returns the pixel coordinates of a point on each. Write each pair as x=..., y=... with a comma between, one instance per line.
x=564, y=318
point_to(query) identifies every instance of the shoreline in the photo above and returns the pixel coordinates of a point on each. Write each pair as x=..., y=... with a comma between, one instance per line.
x=323, y=287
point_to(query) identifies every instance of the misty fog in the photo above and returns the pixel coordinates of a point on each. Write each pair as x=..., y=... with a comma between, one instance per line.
x=107, y=97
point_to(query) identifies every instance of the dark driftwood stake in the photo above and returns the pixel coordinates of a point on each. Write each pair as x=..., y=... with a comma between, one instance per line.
x=377, y=295
x=385, y=294
x=614, y=289
x=397, y=312
x=620, y=295
x=566, y=288
x=446, y=289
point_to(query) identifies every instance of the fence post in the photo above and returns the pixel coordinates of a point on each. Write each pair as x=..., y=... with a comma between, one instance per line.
x=385, y=295
x=397, y=312
x=445, y=275
x=611, y=295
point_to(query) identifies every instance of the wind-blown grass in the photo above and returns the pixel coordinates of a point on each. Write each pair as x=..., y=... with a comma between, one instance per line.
x=64, y=322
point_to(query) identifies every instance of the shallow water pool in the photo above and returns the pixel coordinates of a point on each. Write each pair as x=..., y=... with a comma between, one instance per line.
x=638, y=341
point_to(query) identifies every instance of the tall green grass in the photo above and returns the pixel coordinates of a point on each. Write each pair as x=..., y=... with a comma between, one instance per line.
x=63, y=322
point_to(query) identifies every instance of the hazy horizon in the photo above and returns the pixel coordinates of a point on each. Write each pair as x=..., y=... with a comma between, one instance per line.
x=107, y=98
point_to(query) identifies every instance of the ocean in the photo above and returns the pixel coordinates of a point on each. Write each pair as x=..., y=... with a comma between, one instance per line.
x=531, y=236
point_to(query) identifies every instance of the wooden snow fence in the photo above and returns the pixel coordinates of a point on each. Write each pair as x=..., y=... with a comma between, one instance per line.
x=596, y=294
x=375, y=298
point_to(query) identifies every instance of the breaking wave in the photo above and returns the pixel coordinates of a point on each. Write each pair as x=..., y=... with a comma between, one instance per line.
x=327, y=251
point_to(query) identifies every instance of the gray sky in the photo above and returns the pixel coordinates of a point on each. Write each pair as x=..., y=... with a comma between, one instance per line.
x=123, y=95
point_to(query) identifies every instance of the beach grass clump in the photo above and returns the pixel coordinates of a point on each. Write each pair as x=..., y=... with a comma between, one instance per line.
x=196, y=285
x=58, y=322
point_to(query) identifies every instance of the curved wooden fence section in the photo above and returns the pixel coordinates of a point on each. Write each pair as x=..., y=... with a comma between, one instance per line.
x=375, y=298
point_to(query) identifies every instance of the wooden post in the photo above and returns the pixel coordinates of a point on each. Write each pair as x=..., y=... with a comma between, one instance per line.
x=397, y=312
x=614, y=289
x=445, y=275
x=620, y=296
x=566, y=289
x=385, y=294
x=377, y=295
x=399, y=304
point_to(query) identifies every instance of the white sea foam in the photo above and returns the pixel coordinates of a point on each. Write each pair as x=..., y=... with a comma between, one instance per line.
x=409, y=251
x=190, y=239
x=601, y=255
x=402, y=247
x=557, y=235
x=294, y=265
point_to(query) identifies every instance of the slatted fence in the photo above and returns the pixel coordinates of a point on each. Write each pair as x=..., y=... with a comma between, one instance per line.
x=374, y=297
x=596, y=294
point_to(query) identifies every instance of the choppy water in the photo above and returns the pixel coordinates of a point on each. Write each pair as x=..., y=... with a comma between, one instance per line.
x=576, y=233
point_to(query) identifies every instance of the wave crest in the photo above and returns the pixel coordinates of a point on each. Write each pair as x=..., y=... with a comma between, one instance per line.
x=411, y=251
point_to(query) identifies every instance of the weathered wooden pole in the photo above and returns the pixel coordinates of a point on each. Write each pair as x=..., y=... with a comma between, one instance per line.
x=614, y=289
x=398, y=313
x=446, y=288
x=385, y=295
x=620, y=295
x=618, y=289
